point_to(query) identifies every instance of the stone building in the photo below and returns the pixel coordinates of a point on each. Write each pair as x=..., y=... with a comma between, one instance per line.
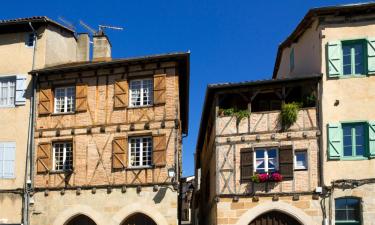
x=244, y=149
x=25, y=44
x=338, y=42
x=108, y=139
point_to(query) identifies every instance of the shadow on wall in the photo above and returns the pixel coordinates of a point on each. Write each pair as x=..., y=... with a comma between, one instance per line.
x=160, y=195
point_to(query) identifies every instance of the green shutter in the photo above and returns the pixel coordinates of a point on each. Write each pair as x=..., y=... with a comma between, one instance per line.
x=334, y=59
x=334, y=140
x=371, y=56
x=371, y=139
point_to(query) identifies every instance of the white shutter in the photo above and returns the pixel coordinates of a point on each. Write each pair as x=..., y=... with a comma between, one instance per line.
x=9, y=158
x=20, y=90
x=371, y=56
x=334, y=59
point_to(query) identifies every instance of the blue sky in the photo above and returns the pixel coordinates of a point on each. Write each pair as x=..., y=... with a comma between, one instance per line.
x=229, y=40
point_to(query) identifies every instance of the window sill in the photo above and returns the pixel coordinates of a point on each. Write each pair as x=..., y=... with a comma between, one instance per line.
x=139, y=167
x=60, y=171
x=140, y=107
x=350, y=76
x=7, y=106
x=62, y=114
x=354, y=158
x=7, y=178
x=301, y=169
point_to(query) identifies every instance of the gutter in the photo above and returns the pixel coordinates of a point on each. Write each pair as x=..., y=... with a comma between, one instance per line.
x=30, y=142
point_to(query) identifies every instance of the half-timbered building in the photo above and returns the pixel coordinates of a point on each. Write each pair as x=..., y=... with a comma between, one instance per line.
x=252, y=166
x=108, y=140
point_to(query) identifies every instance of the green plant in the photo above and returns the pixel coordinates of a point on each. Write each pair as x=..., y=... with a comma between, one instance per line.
x=239, y=114
x=255, y=178
x=309, y=100
x=289, y=114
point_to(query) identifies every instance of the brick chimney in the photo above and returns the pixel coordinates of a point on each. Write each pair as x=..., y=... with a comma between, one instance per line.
x=102, y=47
x=83, y=47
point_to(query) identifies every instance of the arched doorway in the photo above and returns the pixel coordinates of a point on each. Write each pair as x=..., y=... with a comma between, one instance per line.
x=80, y=220
x=138, y=219
x=274, y=218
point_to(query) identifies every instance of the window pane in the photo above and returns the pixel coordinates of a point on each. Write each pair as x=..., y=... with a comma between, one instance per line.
x=347, y=209
x=347, y=60
x=301, y=161
x=259, y=154
x=348, y=145
x=272, y=153
x=135, y=89
x=358, y=51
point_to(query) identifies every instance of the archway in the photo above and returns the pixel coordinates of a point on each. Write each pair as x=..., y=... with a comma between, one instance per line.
x=274, y=218
x=138, y=219
x=81, y=220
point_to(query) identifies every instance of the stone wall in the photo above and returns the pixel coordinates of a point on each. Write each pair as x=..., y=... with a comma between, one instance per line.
x=105, y=208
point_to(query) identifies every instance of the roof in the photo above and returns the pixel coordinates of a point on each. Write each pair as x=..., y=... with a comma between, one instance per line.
x=212, y=89
x=312, y=14
x=184, y=73
x=20, y=24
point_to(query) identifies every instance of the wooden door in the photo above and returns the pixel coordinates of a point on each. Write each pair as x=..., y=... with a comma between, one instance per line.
x=274, y=218
x=139, y=219
x=81, y=220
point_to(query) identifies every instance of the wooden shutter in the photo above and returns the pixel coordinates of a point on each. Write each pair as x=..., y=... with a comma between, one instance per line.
x=159, y=151
x=247, y=168
x=81, y=97
x=371, y=134
x=334, y=140
x=286, y=161
x=121, y=96
x=371, y=56
x=44, y=158
x=45, y=101
x=334, y=59
x=159, y=89
x=119, y=153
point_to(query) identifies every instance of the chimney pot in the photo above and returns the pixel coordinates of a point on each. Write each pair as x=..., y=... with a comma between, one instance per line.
x=102, y=48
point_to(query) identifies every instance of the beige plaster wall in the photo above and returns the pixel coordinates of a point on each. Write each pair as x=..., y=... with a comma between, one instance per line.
x=57, y=42
x=356, y=102
x=105, y=208
x=307, y=55
x=16, y=59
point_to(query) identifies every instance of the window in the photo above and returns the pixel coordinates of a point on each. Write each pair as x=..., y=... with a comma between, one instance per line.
x=141, y=92
x=266, y=160
x=7, y=156
x=64, y=99
x=353, y=57
x=300, y=159
x=29, y=42
x=7, y=91
x=354, y=140
x=347, y=211
x=291, y=60
x=140, y=151
x=62, y=156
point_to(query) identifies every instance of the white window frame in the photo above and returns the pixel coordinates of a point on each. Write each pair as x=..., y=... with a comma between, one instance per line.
x=141, y=90
x=266, y=158
x=304, y=151
x=65, y=102
x=2, y=156
x=141, y=162
x=64, y=156
x=9, y=81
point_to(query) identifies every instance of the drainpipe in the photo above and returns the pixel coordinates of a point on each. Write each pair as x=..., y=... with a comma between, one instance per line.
x=30, y=142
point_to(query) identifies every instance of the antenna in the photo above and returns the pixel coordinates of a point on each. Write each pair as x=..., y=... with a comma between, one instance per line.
x=88, y=28
x=67, y=23
x=102, y=27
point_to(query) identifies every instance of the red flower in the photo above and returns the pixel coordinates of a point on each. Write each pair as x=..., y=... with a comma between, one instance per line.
x=277, y=177
x=263, y=177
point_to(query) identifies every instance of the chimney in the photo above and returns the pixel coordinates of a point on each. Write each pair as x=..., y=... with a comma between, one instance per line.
x=83, y=47
x=102, y=47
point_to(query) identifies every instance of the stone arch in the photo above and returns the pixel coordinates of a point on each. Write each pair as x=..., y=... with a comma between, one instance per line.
x=76, y=210
x=135, y=208
x=80, y=219
x=262, y=208
x=138, y=218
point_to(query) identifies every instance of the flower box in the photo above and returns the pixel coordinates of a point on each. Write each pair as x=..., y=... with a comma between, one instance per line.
x=267, y=177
